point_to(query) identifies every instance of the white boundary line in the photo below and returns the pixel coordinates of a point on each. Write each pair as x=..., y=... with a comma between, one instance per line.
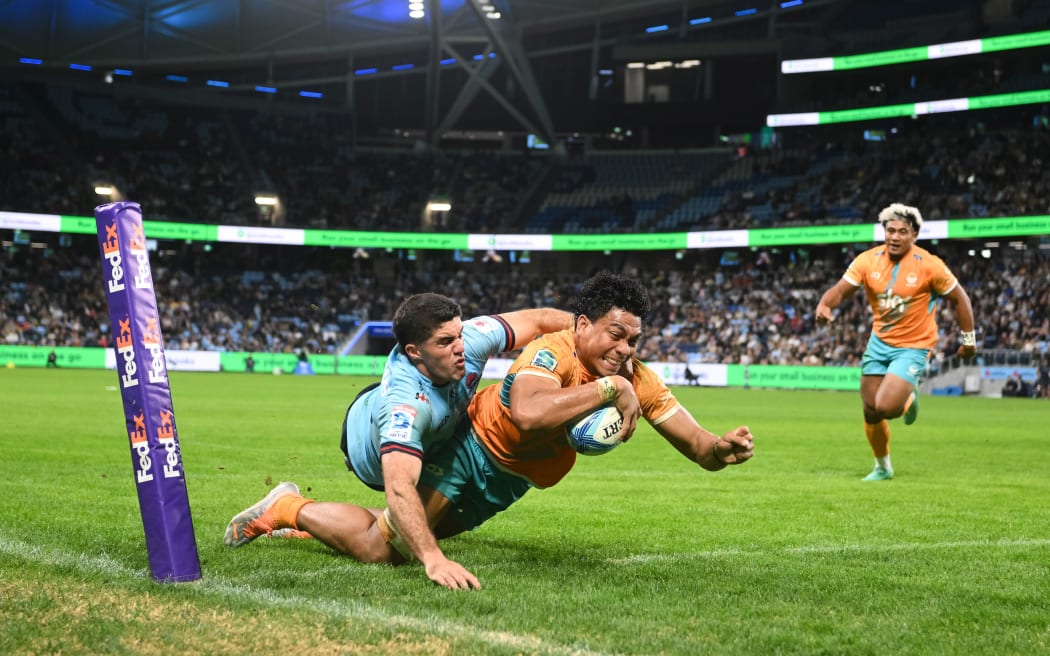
x=216, y=586
x=213, y=586
x=830, y=549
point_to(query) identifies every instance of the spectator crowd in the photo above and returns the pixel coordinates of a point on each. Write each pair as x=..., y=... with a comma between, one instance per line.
x=756, y=311
x=206, y=166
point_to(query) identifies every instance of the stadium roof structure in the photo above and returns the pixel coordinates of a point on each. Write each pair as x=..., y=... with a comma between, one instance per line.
x=266, y=46
x=166, y=32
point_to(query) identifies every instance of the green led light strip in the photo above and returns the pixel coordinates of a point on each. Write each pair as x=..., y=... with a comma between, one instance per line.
x=910, y=109
x=921, y=53
x=762, y=237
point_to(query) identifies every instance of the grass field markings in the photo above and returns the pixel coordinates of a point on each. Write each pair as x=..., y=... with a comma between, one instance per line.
x=830, y=549
x=351, y=610
x=360, y=611
x=99, y=563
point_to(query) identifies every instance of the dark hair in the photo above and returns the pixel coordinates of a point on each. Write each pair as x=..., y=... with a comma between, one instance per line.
x=605, y=290
x=418, y=316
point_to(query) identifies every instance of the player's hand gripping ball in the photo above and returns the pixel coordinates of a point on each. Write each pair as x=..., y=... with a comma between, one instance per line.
x=596, y=433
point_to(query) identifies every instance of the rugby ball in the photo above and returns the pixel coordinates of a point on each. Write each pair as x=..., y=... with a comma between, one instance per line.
x=596, y=433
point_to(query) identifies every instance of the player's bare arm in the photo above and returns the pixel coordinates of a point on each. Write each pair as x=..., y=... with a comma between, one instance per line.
x=704, y=447
x=530, y=324
x=964, y=316
x=539, y=403
x=831, y=299
x=400, y=478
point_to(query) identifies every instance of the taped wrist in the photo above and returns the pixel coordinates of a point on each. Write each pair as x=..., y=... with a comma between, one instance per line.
x=607, y=389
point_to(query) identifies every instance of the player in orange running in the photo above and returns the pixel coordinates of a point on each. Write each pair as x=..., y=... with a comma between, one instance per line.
x=903, y=283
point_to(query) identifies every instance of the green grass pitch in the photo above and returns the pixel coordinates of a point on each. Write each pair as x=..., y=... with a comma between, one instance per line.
x=636, y=552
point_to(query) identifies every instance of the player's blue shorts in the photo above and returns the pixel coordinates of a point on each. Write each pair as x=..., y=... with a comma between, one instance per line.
x=880, y=359
x=463, y=472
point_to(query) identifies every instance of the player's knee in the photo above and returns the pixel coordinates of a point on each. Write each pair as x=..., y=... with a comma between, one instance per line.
x=889, y=411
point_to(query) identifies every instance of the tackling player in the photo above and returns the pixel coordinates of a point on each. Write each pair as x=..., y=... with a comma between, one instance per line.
x=428, y=380
x=903, y=283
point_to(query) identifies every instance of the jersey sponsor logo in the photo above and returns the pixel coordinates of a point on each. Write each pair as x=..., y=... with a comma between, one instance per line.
x=483, y=326
x=875, y=275
x=912, y=279
x=472, y=380
x=420, y=396
x=401, y=418
x=892, y=306
x=545, y=359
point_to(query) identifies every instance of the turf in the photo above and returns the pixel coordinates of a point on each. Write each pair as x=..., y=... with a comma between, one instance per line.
x=636, y=552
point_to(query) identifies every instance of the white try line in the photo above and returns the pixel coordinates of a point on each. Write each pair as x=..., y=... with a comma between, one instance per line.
x=831, y=549
x=351, y=610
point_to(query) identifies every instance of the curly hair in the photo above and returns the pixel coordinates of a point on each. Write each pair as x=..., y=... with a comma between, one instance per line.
x=606, y=290
x=418, y=316
x=901, y=212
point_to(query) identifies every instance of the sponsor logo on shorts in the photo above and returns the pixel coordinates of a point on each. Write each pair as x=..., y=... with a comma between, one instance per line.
x=401, y=418
x=914, y=370
x=545, y=359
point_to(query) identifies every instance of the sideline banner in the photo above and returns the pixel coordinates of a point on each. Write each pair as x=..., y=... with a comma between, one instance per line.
x=69, y=357
x=142, y=377
x=794, y=377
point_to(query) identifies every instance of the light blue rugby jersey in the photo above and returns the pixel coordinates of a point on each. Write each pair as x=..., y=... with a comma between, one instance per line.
x=407, y=413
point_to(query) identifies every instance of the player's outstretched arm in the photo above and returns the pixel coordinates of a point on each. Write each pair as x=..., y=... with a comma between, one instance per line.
x=704, y=447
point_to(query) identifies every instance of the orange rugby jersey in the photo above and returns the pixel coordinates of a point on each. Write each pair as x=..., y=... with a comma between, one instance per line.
x=903, y=295
x=545, y=457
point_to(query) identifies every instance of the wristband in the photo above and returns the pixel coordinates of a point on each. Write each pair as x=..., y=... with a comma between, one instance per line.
x=969, y=338
x=606, y=389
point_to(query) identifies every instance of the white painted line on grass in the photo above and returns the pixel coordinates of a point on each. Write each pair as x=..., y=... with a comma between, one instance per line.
x=215, y=586
x=829, y=549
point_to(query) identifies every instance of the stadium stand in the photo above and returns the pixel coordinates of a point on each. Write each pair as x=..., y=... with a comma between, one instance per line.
x=193, y=162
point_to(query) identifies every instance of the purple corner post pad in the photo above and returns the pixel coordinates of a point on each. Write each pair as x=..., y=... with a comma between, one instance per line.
x=142, y=377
